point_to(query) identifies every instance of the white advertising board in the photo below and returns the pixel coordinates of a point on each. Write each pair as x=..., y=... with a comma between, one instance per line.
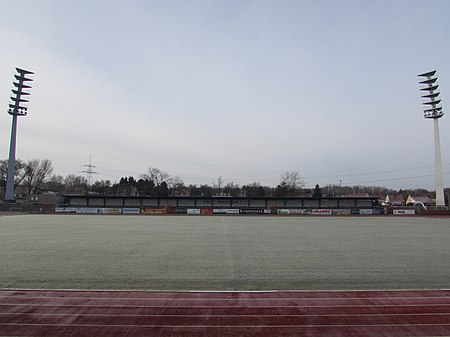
x=404, y=211
x=296, y=211
x=65, y=210
x=88, y=210
x=290, y=211
x=112, y=210
x=226, y=210
x=193, y=211
x=342, y=211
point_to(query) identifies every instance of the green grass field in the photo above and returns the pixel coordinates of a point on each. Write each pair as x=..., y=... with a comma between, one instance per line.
x=223, y=253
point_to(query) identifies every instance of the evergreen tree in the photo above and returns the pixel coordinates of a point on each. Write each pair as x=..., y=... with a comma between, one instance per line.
x=317, y=192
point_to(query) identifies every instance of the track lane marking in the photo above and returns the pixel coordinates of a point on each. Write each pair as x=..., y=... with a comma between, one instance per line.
x=228, y=299
x=224, y=307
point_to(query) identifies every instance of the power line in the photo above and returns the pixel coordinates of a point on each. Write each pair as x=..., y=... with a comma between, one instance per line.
x=394, y=179
x=373, y=172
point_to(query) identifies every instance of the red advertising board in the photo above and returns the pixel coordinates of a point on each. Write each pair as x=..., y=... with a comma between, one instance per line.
x=154, y=211
x=322, y=211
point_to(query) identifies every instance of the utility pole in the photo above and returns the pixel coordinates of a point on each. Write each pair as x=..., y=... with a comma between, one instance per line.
x=16, y=108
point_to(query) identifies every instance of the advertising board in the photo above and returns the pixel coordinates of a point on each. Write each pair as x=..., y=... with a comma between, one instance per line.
x=154, y=211
x=112, y=210
x=342, y=211
x=366, y=211
x=65, y=210
x=226, y=211
x=320, y=211
x=285, y=211
x=131, y=210
x=88, y=210
x=404, y=211
x=296, y=211
x=193, y=211
x=254, y=211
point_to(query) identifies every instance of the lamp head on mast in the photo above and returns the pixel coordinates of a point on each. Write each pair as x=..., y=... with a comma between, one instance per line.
x=431, y=99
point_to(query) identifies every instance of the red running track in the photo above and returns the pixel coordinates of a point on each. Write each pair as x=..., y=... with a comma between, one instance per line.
x=145, y=313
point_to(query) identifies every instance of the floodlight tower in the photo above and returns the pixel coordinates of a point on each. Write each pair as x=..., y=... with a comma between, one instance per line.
x=16, y=108
x=433, y=110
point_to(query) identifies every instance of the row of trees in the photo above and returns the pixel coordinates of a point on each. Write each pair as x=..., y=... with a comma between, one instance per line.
x=36, y=175
x=33, y=174
x=158, y=182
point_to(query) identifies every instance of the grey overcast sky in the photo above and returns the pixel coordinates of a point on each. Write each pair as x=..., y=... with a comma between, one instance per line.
x=240, y=89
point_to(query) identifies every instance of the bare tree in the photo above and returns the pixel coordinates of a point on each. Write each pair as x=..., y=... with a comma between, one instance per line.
x=291, y=183
x=73, y=180
x=36, y=172
x=75, y=184
x=102, y=187
x=218, y=185
x=55, y=184
x=157, y=176
x=162, y=181
x=176, y=185
x=4, y=170
x=232, y=189
x=19, y=173
x=292, y=179
x=253, y=190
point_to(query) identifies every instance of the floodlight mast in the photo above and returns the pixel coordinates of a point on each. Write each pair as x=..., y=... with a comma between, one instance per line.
x=433, y=110
x=16, y=108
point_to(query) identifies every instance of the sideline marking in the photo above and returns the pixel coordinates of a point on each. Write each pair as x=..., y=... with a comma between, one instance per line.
x=227, y=247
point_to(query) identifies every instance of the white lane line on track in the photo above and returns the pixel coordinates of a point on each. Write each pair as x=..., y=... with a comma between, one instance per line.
x=223, y=307
x=227, y=291
x=226, y=299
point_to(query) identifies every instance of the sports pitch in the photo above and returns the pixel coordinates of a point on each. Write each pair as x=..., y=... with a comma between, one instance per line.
x=223, y=252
